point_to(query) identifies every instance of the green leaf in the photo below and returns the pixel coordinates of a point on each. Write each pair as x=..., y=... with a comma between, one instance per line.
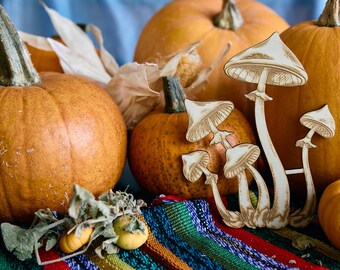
x=80, y=197
x=46, y=215
x=52, y=240
x=135, y=225
x=19, y=241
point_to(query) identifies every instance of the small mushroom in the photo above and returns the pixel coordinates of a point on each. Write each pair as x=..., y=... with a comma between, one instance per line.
x=194, y=165
x=240, y=158
x=322, y=122
x=204, y=117
x=269, y=62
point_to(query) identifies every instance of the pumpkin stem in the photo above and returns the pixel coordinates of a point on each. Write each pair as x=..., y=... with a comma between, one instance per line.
x=174, y=95
x=330, y=15
x=230, y=17
x=16, y=67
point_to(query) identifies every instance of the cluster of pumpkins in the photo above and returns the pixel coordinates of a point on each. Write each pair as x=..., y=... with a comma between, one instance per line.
x=58, y=129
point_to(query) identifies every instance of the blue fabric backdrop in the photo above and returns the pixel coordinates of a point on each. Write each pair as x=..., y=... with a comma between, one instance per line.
x=121, y=22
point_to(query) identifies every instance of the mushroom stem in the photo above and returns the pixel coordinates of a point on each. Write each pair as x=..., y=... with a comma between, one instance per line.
x=261, y=86
x=246, y=207
x=278, y=214
x=219, y=136
x=230, y=218
x=302, y=217
x=263, y=201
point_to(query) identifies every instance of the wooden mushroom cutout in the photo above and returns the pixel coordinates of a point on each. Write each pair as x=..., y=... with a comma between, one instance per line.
x=239, y=158
x=322, y=122
x=194, y=166
x=269, y=62
x=204, y=117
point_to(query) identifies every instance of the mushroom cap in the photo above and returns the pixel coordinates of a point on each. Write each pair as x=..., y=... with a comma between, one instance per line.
x=321, y=121
x=194, y=163
x=284, y=67
x=239, y=157
x=200, y=113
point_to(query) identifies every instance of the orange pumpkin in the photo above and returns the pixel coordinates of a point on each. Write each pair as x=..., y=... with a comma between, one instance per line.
x=159, y=140
x=329, y=214
x=55, y=130
x=69, y=243
x=183, y=22
x=316, y=45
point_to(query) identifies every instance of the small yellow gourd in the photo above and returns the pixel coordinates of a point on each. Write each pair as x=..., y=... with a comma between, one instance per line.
x=128, y=240
x=70, y=243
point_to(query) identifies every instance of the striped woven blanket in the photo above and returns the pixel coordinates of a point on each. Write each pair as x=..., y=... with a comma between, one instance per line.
x=190, y=235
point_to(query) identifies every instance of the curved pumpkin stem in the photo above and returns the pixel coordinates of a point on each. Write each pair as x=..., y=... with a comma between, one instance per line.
x=174, y=95
x=330, y=15
x=16, y=67
x=230, y=17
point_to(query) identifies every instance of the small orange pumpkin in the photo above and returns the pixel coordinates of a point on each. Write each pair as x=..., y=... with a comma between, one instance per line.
x=70, y=243
x=329, y=214
x=183, y=22
x=55, y=130
x=159, y=140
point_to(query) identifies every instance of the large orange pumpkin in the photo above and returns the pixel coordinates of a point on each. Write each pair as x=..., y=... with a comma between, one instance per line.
x=159, y=140
x=329, y=214
x=316, y=45
x=55, y=130
x=183, y=22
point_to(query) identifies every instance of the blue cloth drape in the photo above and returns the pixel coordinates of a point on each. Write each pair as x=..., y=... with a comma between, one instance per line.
x=121, y=21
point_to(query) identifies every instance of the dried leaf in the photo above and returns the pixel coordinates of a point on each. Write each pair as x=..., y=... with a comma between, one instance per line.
x=302, y=242
x=130, y=89
x=201, y=79
x=75, y=63
x=107, y=59
x=74, y=38
x=170, y=68
x=36, y=41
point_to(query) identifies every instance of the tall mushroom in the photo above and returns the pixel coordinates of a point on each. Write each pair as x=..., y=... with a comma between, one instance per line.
x=269, y=62
x=194, y=166
x=204, y=117
x=322, y=122
x=239, y=158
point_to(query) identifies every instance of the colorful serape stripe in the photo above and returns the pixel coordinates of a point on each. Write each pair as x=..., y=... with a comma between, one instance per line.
x=191, y=235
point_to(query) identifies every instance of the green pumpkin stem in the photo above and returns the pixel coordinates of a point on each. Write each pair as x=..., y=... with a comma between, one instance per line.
x=174, y=95
x=230, y=17
x=16, y=68
x=330, y=15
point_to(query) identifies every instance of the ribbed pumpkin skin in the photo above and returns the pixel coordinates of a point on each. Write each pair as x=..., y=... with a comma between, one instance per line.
x=69, y=243
x=63, y=131
x=329, y=214
x=182, y=22
x=317, y=48
x=157, y=144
